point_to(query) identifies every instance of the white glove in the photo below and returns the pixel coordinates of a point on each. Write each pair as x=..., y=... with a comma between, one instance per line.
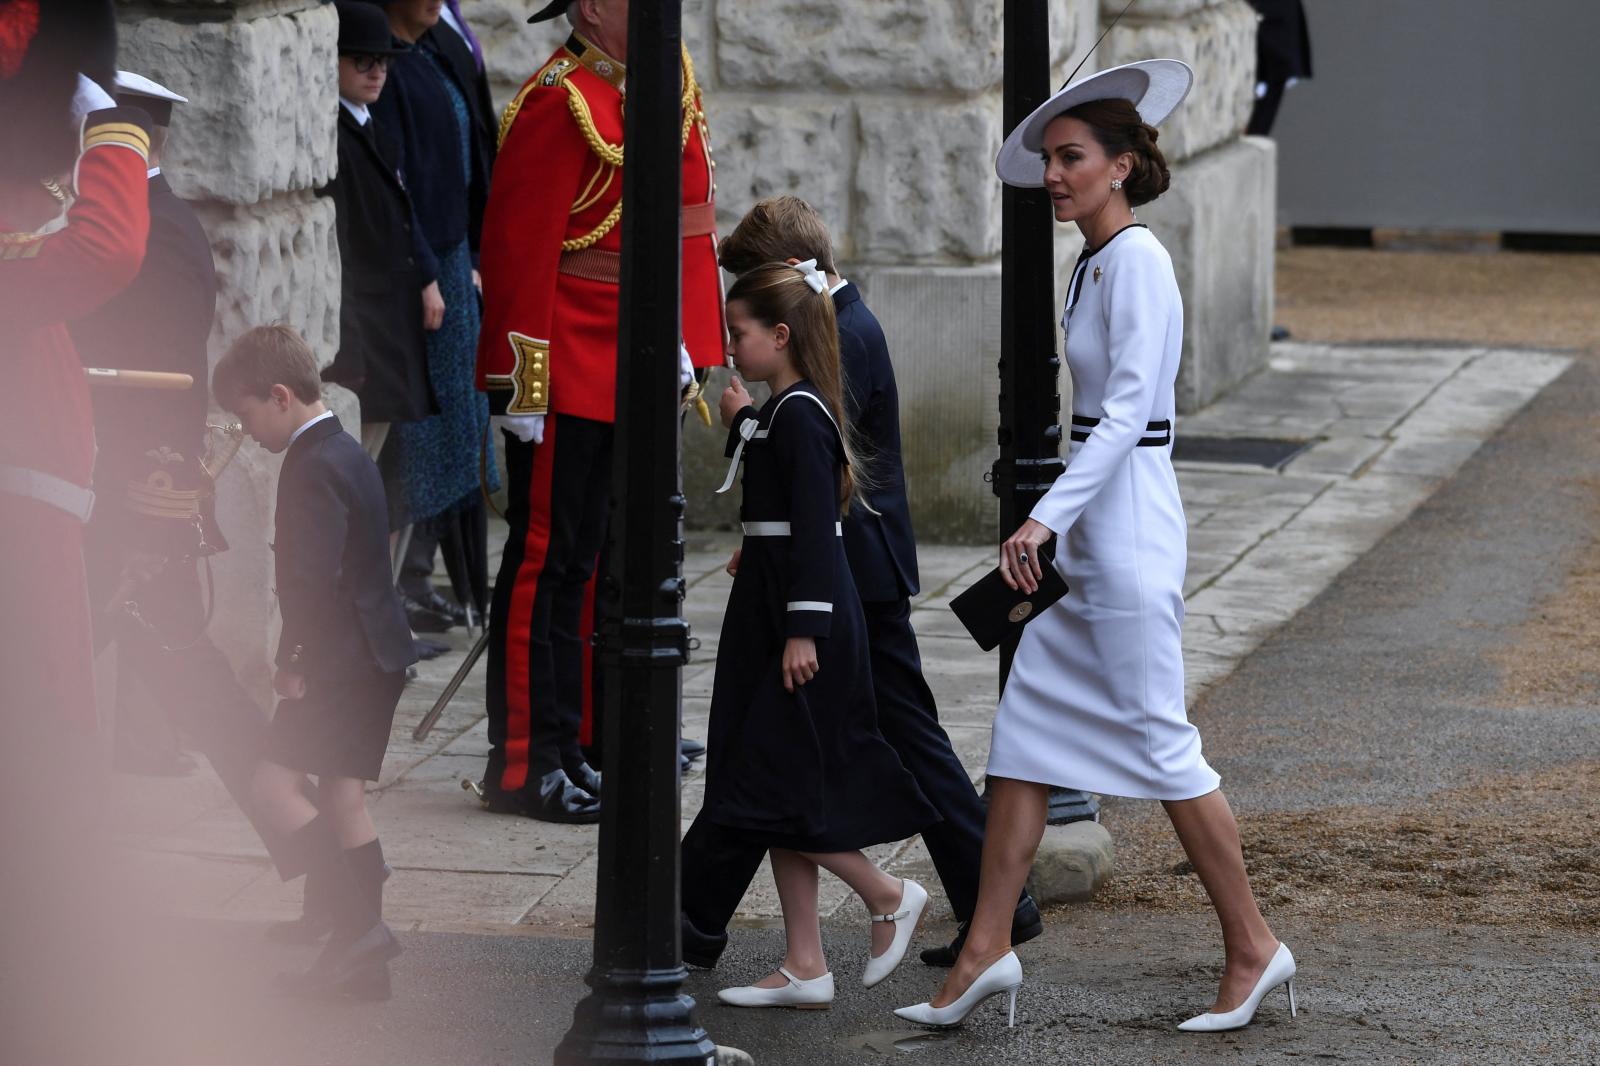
x=685, y=368
x=89, y=97
x=525, y=428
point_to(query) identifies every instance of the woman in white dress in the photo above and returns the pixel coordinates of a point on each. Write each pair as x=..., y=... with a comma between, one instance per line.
x=1095, y=696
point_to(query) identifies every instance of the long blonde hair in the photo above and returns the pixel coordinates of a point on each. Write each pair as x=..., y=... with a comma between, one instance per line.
x=778, y=293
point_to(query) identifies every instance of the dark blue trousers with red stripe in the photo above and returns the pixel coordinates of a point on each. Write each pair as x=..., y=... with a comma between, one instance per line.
x=558, y=493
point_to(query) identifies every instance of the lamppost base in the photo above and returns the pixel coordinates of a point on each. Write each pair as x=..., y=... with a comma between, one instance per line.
x=632, y=1018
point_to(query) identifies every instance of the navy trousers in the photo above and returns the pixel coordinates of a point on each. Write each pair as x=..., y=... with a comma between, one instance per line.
x=718, y=864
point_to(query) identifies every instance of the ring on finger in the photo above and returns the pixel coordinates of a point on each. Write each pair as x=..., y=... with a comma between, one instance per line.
x=1022, y=557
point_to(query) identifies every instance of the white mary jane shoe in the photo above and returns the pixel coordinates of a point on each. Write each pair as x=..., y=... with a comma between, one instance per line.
x=1280, y=971
x=815, y=994
x=1003, y=975
x=913, y=898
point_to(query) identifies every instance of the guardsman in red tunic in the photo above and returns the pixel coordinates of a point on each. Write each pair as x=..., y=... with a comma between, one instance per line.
x=551, y=262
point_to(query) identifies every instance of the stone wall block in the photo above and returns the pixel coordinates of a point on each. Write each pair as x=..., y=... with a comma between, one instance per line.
x=1219, y=42
x=925, y=184
x=767, y=150
x=262, y=100
x=276, y=262
x=1218, y=224
x=1073, y=28
x=797, y=45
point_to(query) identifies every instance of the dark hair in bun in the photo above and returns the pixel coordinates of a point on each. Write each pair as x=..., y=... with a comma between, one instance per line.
x=1117, y=126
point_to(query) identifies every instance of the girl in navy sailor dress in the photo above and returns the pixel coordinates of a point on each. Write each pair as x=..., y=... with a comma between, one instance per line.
x=795, y=761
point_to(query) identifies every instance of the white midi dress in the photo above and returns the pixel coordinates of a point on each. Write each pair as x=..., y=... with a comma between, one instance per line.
x=1094, y=700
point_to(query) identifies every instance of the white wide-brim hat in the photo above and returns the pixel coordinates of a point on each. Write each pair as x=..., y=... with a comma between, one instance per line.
x=1154, y=86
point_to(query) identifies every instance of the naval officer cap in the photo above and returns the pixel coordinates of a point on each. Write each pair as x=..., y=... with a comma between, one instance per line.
x=553, y=10
x=1155, y=87
x=136, y=90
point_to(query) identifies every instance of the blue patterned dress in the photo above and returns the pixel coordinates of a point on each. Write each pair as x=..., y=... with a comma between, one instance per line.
x=440, y=457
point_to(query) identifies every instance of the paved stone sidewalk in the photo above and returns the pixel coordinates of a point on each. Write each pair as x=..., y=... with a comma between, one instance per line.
x=1385, y=426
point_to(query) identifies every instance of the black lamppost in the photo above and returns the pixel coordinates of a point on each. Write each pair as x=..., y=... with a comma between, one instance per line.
x=1030, y=405
x=634, y=1011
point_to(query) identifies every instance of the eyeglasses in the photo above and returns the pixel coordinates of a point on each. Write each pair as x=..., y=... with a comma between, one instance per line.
x=364, y=64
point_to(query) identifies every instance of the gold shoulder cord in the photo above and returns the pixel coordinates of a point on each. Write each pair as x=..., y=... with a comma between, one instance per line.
x=612, y=155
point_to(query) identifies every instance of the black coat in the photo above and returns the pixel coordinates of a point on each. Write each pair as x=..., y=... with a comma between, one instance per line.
x=162, y=321
x=1283, y=43
x=342, y=618
x=881, y=548
x=419, y=121
x=474, y=84
x=382, y=354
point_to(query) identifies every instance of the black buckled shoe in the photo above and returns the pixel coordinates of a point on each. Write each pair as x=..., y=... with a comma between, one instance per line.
x=1026, y=923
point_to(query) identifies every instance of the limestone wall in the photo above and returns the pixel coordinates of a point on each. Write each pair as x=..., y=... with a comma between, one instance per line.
x=256, y=138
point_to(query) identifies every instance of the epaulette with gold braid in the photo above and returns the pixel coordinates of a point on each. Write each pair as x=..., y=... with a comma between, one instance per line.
x=554, y=73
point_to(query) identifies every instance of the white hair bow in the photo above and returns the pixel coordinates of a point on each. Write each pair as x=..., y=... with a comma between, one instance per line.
x=814, y=277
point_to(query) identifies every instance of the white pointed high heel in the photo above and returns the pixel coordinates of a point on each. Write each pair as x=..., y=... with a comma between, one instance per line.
x=815, y=994
x=1004, y=975
x=913, y=898
x=1280, y=971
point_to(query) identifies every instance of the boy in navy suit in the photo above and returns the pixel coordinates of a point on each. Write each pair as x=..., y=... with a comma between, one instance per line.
x=343, y=653
x=882, y=552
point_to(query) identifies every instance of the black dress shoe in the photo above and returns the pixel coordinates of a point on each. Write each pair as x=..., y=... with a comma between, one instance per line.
x=447, y=608
x=699, y=949
x=586, y=777
x=424, y=619
x=691, y=749
x=358, y=968
x=1026, y=923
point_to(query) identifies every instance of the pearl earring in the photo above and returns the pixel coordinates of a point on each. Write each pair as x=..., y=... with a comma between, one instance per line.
x=1116, y=183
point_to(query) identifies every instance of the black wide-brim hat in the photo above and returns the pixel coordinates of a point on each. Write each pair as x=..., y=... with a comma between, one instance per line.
x=364, y=30
x=554, y=9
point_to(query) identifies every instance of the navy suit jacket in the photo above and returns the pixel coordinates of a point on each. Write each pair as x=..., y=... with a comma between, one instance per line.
x=881, y=548
x=342, y=618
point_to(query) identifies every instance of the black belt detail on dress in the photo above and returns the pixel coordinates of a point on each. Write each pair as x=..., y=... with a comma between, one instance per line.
x=1163, y=427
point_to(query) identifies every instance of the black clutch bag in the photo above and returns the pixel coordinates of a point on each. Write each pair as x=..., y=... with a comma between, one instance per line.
x=993, y=612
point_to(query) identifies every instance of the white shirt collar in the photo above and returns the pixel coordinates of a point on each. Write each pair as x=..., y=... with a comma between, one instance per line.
x=834, y=289
x=152, y=172
x=357, y=111
x=307, y=425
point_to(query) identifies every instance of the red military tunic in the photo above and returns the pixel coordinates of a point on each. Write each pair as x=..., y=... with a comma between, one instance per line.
x=552, y=243
x=46, y=424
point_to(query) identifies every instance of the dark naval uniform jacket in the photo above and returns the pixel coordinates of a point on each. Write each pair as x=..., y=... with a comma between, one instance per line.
x=881, y=547
x=382, y=352
x=342, y=618
x=149, y=485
